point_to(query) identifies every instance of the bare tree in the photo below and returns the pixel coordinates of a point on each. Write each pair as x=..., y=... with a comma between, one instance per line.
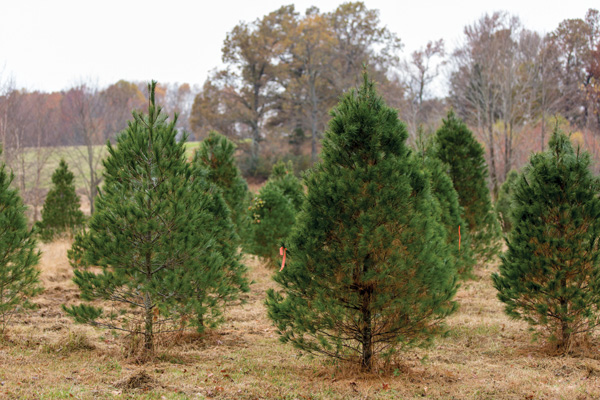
x=82, y=110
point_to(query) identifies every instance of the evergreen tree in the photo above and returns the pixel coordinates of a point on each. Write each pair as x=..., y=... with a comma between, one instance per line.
x=283, y=177
x=445, y=195
x=216, y=154
x=369, y=268
x=18, y=255
x=274, y=212
x=159, y=233
x=273, y=216
x=61, y=210
x=457, y=148
x=503, y=205
x=550, y=273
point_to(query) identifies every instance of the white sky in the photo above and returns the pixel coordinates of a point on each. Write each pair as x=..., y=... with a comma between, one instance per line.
x=51, y=45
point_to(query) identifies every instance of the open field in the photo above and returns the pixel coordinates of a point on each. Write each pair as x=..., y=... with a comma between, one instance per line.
x=74, y=155
x=485, y=356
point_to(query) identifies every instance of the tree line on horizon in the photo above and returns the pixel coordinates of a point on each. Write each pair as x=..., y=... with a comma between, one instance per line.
x=284, y=72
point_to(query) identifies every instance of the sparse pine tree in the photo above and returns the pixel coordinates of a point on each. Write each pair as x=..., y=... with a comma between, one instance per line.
x=61, y=211
x=550, y=273
x=456, y=146
x=503, y=203
x=18, y=254
x=158, y=233
x=369, y=267
x=216, y=154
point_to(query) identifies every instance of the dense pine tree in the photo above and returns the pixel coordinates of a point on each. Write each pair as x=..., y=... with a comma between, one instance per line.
x=550, y=274
x=283, y=177
x=216, y=154
x=61, y=211
x=456, y=146
x=452, y=213
x=370, y=269
x=503, y=202
x=161, y=234
x=18, y=253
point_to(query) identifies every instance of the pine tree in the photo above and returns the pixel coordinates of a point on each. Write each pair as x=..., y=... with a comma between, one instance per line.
x=503, y=205
x=550, y=273
x=216, y=154
x=159, y=233
x=273, y=216
x=457, y=148
x=369, y=269
x=18, y=254
x=452, y=213
x=283, y=177
x=274, y=212
x=61, y=211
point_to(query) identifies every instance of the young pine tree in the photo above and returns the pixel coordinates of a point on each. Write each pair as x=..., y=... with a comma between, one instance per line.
x=503, y=202
x=216, y=154
x=550, y=274
x=369, y=267
x=457, y=148
x=18, y=253
x=451, y=212
x=159, y=233
x=61, y=211
x=274, y=212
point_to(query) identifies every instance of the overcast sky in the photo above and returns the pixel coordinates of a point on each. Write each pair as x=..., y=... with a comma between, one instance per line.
x=51, y=45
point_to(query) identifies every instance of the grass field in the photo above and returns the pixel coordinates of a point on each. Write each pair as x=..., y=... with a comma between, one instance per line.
x=485, y=356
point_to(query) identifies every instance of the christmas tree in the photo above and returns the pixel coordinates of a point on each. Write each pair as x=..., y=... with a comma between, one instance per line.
x=61, y=211
x=550, y=274
x=452, y=213
x=283, y=177
x=457, y=148
x=159, y=233
x=504, y=199
x=216, y=154
x=18, y=253
x=369, y=269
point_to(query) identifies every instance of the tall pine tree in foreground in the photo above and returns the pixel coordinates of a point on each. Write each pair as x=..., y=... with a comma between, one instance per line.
x=18, y=254
x=550, y=274
x=160, y=233
x=61, y=211
x=369, y=268
x=216, y=154
x=456, y=146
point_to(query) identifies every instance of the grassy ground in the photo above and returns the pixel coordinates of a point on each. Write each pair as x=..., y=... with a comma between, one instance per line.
x=485, y=356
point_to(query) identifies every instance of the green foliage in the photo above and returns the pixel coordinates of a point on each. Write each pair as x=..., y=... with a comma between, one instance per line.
x=161, y=234
x=456, y=146
x=503, y=202
x=283, y=177
x=18, y=255
x=550, y=273
x=273, y=217
x=216, y=154
x=451, y=212
x=61, y=211
x=369, y=269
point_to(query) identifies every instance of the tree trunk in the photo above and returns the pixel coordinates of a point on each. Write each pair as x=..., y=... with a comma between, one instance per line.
x=313, y=121
x=148, y=330
x=367, y=331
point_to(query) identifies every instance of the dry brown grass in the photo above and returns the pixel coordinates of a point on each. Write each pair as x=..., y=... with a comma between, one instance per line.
x=485, y=356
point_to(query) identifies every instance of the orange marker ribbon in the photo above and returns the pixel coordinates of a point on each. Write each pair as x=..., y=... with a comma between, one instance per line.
x=459, y=238
x=282, y=251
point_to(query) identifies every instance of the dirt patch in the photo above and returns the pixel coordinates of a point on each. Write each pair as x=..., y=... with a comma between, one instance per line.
x=140, y=380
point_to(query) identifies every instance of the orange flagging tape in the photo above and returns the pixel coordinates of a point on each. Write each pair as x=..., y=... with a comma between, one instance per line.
x=459, y=238
x=282, y=251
